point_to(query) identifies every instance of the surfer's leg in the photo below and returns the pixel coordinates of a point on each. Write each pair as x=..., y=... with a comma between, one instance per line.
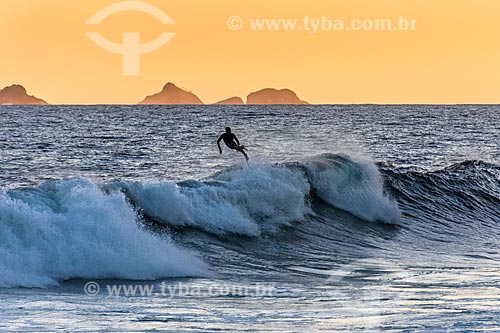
x=240, y=149
x=244, y=154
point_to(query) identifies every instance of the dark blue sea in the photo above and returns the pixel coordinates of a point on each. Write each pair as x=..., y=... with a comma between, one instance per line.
x=351, y=218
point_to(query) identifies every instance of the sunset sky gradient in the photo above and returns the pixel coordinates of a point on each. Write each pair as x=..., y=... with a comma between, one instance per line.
x=452, y=57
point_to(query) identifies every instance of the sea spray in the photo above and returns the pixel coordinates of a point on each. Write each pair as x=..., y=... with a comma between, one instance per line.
x=68, y=229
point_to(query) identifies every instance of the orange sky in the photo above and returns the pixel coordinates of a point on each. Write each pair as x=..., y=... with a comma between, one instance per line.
x=452, y=57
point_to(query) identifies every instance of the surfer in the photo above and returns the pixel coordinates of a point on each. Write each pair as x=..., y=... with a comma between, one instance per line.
x=232, y=142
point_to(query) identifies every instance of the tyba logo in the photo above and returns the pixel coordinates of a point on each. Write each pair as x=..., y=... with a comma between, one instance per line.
x=131, y=48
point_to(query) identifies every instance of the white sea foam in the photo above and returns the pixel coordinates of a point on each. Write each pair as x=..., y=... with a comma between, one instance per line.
x=69, y=229
x=75, y=228
x=245, y=201
x=354, y=185
x=261, y=198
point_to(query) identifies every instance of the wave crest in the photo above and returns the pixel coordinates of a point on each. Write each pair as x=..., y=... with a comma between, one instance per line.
x=68, y=229
x=261, y=198
x=75, y=228
x=354, y=185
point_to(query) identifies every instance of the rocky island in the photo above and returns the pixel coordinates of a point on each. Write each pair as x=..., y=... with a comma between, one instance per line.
x=274, y=96
x=17, y=94
x=231, y=101
x=171, y=94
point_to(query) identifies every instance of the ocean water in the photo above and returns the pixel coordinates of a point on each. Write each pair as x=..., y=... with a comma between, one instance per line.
x=353, y=218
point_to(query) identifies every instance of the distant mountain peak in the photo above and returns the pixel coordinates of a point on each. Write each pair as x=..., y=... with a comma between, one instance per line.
x=171, y=94
x=274, y=96
x=169, y=85
x=17, y=94
x=16, y=89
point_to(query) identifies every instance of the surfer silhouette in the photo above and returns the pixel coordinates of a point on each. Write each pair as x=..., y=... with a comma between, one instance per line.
x=232, y=142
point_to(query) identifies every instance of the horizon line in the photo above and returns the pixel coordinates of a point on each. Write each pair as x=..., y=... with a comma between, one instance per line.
x=225, y=105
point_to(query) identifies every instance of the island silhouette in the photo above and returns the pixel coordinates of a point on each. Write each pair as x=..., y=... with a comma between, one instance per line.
x=274, y=96
x=231, y=101
x=17, y=94
x=169, y=95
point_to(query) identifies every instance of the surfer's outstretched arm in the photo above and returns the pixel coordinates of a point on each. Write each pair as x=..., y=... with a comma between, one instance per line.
x=218, y=144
